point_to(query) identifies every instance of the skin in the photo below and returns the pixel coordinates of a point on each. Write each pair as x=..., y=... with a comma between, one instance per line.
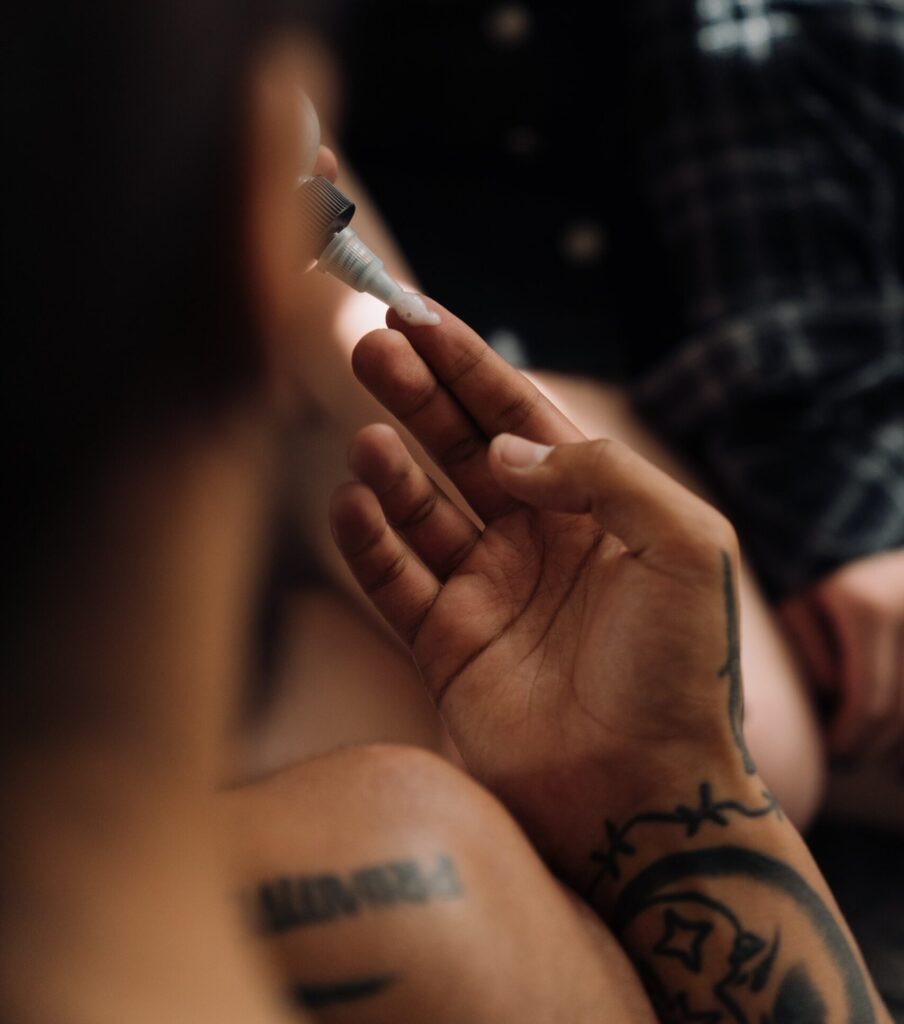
x=119, y=884
x=850, y=630
x=578, y=639
x=125, y=863
x=781, y=725
x=510, y=944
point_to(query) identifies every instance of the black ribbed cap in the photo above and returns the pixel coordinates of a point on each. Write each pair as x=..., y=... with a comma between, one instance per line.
x=324, y=211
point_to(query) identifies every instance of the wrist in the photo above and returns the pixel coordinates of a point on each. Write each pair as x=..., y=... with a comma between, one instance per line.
x=691, y=794
x=716, y=809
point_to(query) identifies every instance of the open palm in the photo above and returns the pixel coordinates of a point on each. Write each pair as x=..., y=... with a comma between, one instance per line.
x=548, y=635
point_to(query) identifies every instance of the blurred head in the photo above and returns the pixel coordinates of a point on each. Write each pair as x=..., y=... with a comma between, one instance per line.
x=151, y=152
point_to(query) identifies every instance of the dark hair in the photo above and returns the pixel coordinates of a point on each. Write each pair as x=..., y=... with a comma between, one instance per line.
x=125, y=307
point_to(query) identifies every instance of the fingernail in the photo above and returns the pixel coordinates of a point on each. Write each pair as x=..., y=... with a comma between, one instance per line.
x=518, y=453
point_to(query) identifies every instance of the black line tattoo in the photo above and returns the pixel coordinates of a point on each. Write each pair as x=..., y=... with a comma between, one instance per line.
x=314, y=997
x=798, y=1000
x=297, y=902
x=750, y=961
x=672, y=1009
x=689, y=818
x=746, y=946
x=683, y=939
x=732, y=666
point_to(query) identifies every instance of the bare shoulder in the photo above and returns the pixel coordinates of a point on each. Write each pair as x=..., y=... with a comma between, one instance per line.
x=386, y=865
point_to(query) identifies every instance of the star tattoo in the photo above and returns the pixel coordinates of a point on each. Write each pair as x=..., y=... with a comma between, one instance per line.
x=683, y=939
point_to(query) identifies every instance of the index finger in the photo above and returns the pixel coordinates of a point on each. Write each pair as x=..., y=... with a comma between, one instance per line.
x=499, y=398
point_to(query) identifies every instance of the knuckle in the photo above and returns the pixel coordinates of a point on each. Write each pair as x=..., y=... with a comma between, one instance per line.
x=604, y=456
x=705, y=542
x=365, y=545
x=517, y=412
x=417, y=513
x=415, y=620
x=607, y=449
x=385, y=575
x=464, y=362
x=460, y=451
x=722, y=532
x=454, y=560
x=419, y=401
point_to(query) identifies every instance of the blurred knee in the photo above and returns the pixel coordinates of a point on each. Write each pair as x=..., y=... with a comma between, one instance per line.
x=781, y=727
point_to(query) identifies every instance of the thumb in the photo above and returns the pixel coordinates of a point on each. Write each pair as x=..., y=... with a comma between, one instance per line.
x=641, y=505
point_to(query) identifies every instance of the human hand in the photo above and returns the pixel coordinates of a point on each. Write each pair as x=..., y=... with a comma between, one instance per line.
x=587, y=633
x=849, y=629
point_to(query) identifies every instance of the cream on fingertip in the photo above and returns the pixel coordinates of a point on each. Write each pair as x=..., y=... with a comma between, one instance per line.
x=413, y=310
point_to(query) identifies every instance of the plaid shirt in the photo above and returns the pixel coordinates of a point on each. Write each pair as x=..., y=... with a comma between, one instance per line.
x=770, y=146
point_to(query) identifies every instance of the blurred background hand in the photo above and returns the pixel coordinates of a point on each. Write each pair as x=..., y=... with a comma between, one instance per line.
x=849, y=630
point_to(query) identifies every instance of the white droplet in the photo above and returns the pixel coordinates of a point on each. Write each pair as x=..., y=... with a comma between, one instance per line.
x=412, y=310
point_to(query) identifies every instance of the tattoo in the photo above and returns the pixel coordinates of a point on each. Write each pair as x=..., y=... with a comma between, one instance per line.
x=683, y=938
x=798, y=1000
x=690, y=818
x=288, y=903
x=314, y=997
x=732, y=666
x=704, y=959
x=703, y=954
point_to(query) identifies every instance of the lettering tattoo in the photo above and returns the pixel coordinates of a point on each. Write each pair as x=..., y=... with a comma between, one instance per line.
x=732, y=667
x=288, y=903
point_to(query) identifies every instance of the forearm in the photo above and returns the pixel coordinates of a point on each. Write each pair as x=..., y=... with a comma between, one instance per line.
x=719, y=904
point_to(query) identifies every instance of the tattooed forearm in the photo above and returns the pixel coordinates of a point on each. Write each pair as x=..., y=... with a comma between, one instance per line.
x=724, y=968
x=732, y=666
x=689, y=818
x=718, y=901
x=727, y=933
x=297, y=902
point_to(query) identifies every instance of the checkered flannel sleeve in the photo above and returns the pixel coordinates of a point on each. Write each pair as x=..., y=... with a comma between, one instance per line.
x=771, y=141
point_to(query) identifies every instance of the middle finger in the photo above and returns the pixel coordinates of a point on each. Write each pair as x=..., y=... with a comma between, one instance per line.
x=500, y=399
x=400, y=380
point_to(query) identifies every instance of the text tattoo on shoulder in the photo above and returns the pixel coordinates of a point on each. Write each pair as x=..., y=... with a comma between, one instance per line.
x=300, y=901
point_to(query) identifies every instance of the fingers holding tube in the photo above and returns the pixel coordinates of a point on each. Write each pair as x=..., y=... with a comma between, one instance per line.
x=498, y=397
